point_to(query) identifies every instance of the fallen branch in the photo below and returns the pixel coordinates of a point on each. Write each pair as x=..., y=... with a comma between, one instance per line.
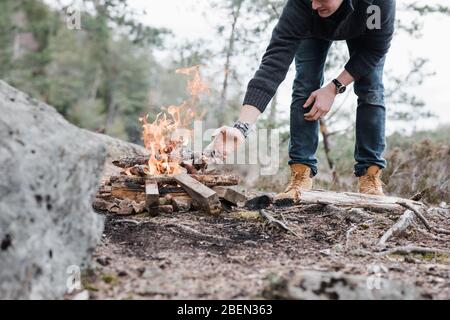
x=271, y=220
x=358, y=200
x=398, y=228
x=428, y=234
x=423, y=219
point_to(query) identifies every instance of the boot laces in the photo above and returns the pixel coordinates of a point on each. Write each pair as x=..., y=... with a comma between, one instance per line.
x=297, y=179
x=373, y=181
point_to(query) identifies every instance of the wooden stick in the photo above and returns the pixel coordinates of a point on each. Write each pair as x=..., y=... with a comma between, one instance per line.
x=423, y=219
x=206, y=197
x=151, y=194
x=229, y=194
x=427, y=233
x=138, y=170
x=208, y=180
x=125, y=191
x=271, y=220
x=197, y=159
x=398, y=228
x=169, y=189
x=131, y=162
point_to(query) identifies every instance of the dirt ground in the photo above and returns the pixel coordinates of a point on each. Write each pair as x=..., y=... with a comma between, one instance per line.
x=238, y=254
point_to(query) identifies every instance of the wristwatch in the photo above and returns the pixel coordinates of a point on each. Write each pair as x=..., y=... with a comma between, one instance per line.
x=243, y=127
x=340, y=88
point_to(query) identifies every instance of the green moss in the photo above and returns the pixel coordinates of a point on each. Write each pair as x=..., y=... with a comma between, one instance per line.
x=89, y=286
x=246, y=215
x=109, y=278
x=438, y=257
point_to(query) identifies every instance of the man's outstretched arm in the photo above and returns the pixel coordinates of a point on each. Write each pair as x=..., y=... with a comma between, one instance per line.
x=286, y=36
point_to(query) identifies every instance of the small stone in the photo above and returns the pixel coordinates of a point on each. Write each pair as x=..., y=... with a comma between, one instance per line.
x=408, y=259
x=140, y=270
x=286, y=202
x=122, y=273
x=104, y=261
x=260, y=202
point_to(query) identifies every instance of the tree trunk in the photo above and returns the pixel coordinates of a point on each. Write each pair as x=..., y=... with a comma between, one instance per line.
x=327, y=149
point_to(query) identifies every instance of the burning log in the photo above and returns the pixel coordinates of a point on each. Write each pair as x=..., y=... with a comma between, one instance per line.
x=130, y=161
x=190, y=168
x=198, y=160
x=208, y=180
x=171, y=190
x=138, y=170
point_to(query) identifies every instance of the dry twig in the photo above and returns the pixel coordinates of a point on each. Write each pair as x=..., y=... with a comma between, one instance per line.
x=423, y=219
x=271, y=220
x=398, y=228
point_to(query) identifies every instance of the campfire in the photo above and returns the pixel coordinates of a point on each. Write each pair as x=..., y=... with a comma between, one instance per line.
x=172, y=177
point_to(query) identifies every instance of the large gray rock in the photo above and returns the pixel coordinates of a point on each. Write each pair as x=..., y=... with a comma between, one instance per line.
x=49, y=172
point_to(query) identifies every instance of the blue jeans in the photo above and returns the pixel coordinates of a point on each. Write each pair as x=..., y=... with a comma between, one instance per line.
x=370, y=116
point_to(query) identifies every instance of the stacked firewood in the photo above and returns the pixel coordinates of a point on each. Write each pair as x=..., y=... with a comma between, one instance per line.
x=135, y=191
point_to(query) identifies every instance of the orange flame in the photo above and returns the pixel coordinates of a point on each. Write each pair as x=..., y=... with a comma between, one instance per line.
x=163, y=137
x=195, y=85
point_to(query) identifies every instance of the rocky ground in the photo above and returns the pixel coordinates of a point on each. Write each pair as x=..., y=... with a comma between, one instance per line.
x=328, y=253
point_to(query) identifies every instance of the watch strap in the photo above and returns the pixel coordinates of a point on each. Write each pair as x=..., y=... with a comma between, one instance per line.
x=243, y=127
x=340, y=88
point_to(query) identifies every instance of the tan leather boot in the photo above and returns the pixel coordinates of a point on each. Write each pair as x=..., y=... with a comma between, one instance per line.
x=371, y=183
x=300, y=180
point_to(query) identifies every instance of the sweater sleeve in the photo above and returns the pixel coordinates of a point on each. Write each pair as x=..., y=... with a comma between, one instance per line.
x=375, y=43
x=291, y=27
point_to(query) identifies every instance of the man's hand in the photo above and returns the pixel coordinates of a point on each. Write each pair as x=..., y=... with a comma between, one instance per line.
x=226, y=140
x=323, y=101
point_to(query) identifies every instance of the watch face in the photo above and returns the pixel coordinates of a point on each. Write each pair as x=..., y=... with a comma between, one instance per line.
x=342, y=89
